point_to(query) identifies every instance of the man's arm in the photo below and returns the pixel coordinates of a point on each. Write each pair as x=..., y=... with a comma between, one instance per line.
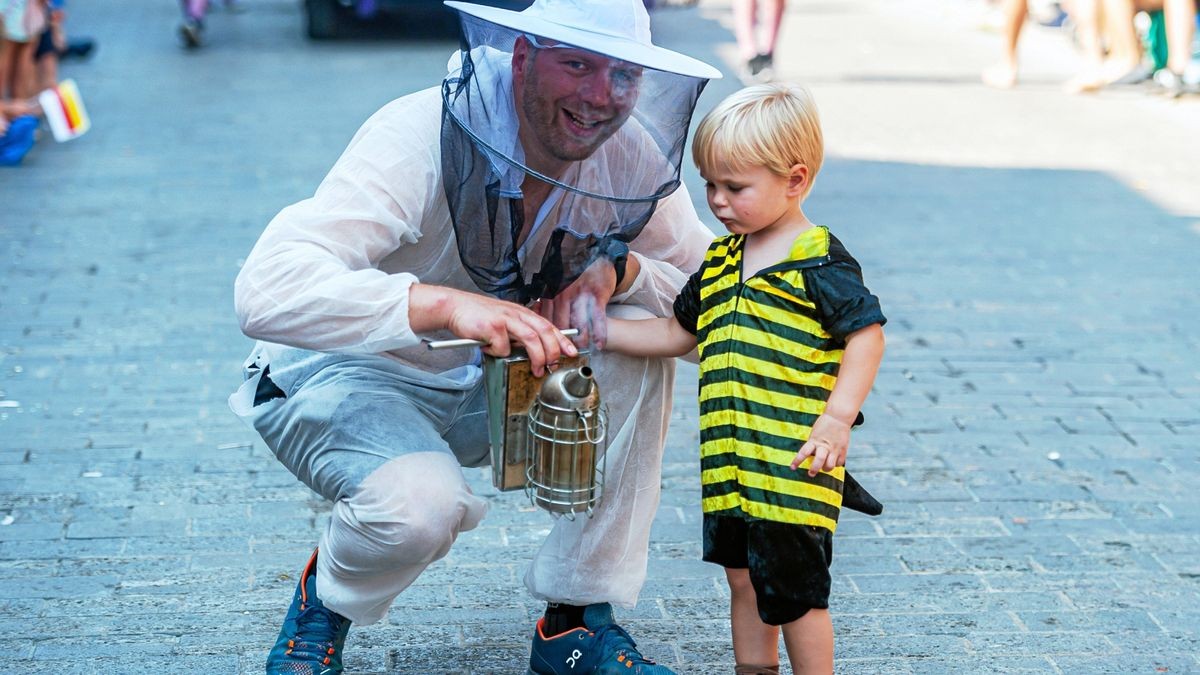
x=661, y=258
x=497, y=323
x=313, y=278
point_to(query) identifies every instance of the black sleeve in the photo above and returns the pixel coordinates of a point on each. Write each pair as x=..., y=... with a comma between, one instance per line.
x=843, y=301
x=687, y=303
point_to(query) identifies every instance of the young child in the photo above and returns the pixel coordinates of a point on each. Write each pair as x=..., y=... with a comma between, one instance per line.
x=789, y=340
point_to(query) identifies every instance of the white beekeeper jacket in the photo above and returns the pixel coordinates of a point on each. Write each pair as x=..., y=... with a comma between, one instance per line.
x=332, y=273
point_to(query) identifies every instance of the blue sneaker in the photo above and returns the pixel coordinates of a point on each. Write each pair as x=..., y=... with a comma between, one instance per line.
x=602, y=648
x=312, y=637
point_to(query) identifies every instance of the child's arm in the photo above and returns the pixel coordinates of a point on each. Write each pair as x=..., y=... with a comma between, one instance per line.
x=649, y=337
x=830, y=437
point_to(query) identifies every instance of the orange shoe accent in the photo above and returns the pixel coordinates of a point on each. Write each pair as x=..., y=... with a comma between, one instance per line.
x=310, y=568
x=541, y=623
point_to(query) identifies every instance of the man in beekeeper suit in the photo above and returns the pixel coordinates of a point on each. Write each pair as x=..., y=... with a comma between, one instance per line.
x=537, y=188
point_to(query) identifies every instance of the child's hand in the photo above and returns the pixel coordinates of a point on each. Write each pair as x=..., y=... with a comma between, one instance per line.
x=827, y=444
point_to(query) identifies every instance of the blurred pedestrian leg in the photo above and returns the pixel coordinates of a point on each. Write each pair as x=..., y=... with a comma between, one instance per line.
x=1003, y=75
x=1089, y=32
x=1178, y=28
x=756, y=26
x=1123, y=62
x=22, y=22
x=191, y=31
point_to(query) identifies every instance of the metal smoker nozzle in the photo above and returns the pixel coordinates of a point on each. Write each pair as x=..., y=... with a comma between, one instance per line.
x=578, y=382
x=570, y=389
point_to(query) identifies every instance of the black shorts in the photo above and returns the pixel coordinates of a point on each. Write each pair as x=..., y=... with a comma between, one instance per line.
x=789, y=564
x=45, y=44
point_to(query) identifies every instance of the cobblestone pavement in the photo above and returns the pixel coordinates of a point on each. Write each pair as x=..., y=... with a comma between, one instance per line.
x=1033, y=433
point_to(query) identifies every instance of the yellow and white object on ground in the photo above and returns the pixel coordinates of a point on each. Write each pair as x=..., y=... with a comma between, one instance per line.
x=64, y=111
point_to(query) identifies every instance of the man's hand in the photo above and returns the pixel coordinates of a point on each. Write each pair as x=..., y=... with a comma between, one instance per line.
x=827, y=444
x=582, y=304
x=496, y=322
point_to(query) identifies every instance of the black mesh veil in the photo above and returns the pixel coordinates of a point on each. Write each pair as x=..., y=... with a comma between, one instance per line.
x=596, y=206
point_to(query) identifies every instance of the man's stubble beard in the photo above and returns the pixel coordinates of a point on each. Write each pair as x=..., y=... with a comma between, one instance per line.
x=555, y=140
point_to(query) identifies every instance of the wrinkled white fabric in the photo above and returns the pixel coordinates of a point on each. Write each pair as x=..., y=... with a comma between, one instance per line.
x=409, y=510
x=332, y=273
x=603, y=558
x=402, y=517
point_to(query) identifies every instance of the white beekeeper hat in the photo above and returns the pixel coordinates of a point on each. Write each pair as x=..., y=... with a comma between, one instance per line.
x=616, y=28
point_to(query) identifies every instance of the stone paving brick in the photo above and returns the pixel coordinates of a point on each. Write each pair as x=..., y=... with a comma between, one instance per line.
x=1124, y=664
x=979, y=663
x=57, y=587
x=1109, y=620
x=147, y=666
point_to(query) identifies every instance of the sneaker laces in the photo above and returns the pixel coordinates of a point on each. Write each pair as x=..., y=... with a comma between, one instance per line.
x=614, y=639
x=316, y=630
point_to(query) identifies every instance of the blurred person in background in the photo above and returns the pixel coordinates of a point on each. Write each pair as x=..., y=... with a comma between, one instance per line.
x=1180, y=17
x=54, y=45
x=1003, y=74
x=191, y=30
x=756, y=26
x=1107, y=34
x=1085, y=14
x=1112, y=51
x=51, y=43
x=23, y=22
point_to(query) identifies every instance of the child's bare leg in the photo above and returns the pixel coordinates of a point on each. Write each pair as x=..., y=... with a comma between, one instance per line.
x=809, y=642
x=754, y=642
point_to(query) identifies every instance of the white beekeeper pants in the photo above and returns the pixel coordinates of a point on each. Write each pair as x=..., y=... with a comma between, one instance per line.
x=386, y=443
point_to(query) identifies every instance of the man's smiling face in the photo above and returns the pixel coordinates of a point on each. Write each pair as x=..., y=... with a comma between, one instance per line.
x=570, y=100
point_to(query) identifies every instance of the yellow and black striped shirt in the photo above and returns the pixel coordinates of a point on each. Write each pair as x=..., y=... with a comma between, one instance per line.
x=770, y=347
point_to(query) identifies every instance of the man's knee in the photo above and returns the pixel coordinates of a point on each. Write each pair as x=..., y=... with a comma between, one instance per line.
x=407, y=512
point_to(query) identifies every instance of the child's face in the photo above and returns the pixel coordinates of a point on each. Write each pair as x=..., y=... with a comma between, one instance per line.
x=749, y=200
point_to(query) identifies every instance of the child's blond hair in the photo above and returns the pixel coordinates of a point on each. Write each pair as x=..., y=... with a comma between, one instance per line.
x=770, y=125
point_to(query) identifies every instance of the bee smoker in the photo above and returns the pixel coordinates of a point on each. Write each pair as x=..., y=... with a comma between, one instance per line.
x=547, y=435
x=567, y=428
